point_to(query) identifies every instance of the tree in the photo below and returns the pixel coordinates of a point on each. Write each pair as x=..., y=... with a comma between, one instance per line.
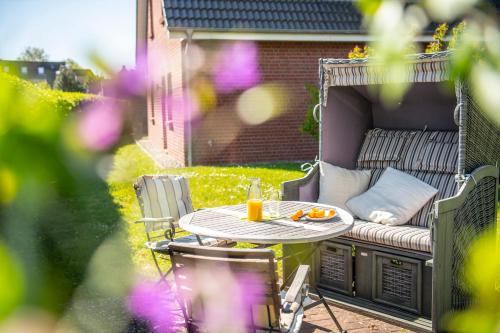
x=72, y=64
x=66, y=80
x=33, y=54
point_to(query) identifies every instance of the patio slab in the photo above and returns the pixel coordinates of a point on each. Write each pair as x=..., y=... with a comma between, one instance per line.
x=318, y=321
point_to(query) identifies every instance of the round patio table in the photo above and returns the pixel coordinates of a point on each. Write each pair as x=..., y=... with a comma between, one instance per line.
x=230, y=223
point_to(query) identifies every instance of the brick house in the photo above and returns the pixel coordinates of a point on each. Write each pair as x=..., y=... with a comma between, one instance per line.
x=34, y=71
x=290, y=37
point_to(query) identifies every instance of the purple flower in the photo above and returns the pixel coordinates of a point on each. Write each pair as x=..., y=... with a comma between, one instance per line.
x=226, y=298
x=155, y=303
x=236, y=67
x=100, y=125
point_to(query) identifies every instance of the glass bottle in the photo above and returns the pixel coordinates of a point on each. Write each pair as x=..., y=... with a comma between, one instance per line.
x=254, y=200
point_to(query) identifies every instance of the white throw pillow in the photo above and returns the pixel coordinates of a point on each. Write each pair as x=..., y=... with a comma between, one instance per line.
x=393, y=200
x=337, y=185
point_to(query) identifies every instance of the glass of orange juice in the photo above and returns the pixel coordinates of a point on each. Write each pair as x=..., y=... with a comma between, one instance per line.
x=254, y=200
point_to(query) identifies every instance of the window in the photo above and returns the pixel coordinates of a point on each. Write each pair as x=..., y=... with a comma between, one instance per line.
x=152, y=93
x=24, y=70
x=170, y=111
x=41, y=70
x=163, y=98
x=151, y=24
x=6, y=69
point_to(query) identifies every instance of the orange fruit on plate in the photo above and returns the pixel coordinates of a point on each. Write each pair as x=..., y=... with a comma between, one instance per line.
x=320, y=213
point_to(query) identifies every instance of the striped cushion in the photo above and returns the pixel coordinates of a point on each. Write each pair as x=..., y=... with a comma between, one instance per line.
x=405, y=236
x=432, y=151
x=435, y=151
x=382, y=148
x=162, y=246
x=431, y=156
x=444, y=182
x=163, y=196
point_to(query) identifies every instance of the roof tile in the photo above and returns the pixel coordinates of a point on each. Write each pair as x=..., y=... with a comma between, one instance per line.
x=255, y=15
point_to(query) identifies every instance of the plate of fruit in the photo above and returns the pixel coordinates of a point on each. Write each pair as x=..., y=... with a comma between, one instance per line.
x=315, y=214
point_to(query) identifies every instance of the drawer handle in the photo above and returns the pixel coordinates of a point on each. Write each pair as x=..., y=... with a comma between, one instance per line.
x=396, y=262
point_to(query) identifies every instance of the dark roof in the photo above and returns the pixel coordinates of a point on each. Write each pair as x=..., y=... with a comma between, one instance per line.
x=338, y=16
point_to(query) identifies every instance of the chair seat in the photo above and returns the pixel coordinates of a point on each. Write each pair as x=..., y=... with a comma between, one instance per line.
x=162, y=246
x=407, y=237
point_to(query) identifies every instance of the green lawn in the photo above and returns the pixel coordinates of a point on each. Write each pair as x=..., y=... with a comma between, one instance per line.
x=210, y=186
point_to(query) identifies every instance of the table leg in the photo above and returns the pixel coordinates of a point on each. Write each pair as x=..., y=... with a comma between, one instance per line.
x=321, y=300
x=299, y=254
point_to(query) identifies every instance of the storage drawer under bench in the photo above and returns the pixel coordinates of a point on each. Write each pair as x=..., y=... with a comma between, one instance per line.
x=377, y=275
x=335, y=267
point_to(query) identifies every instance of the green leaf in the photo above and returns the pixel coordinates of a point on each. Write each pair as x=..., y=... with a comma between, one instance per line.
x=11, y=283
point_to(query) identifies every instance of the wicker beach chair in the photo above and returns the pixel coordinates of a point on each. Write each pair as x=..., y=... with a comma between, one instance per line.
x=411, y=272
x=163, y=200
x=260, y=301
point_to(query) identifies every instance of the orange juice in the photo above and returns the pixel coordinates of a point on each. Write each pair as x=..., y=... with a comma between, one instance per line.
x=254, y=209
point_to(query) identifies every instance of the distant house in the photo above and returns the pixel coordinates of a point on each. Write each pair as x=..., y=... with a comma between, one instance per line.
x=290, y=36
x=34, y=71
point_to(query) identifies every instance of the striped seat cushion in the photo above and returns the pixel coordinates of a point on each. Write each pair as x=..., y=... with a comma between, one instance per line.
x=433, y=151
x=403, y=237
x=162, y=246
x=383, y=148
x=444, y=182
x=431, y=156
x=163, y=196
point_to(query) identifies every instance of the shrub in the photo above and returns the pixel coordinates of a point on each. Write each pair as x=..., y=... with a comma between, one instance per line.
x=59, y=101
x=310, y=125
x=55, y=209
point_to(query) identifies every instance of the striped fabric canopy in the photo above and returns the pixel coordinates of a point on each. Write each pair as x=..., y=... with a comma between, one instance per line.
x=431, y=67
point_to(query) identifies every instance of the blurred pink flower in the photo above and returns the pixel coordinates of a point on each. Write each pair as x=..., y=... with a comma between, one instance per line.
x=154, y=302
x=177, y=102
x=100, y=125
x=237, y=67
x=226, y=298
x=129, y=83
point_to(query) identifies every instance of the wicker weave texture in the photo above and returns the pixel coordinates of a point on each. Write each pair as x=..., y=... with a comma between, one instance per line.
x=398, y=282
x=480, y=138
x=474, y=217
x=332, y=266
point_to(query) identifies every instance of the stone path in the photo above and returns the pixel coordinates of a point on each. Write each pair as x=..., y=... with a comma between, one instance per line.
x=159, y=156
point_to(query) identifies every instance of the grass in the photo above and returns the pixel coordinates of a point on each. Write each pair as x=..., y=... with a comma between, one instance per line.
x=210, y=186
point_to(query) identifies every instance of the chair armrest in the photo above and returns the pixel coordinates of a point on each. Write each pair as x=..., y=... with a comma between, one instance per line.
x=156, y=223
x=458, y=221
x=293, y=297
x=291, y=188
x=154, y=220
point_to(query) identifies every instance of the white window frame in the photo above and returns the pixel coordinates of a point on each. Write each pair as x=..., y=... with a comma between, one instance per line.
x=41, y=70
x=24, y=70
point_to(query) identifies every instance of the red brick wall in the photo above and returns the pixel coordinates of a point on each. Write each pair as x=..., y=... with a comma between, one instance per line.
x=165, y=127
x=221, y=137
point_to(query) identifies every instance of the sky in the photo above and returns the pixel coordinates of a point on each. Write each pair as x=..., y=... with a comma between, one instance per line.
x=70, y=29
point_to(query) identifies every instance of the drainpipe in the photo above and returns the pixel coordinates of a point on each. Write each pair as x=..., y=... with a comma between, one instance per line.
x=186, y=70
